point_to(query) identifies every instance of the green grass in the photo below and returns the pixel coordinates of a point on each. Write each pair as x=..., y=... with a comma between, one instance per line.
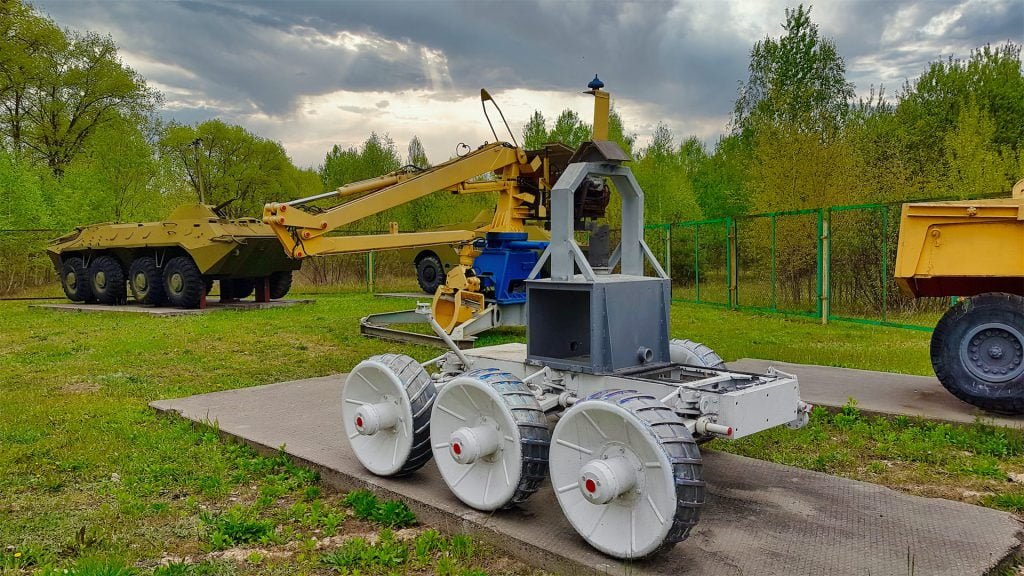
x=93, y=478
x=92, y=474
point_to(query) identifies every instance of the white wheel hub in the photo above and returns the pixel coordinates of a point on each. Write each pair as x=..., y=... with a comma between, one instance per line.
x=612, y=479
x=475, y=440
x=469, y=444
x=372, y=418
x=377, y=417
x=602, y=480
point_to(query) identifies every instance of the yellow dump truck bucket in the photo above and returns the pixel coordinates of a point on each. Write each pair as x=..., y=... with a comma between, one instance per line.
x=962, y=248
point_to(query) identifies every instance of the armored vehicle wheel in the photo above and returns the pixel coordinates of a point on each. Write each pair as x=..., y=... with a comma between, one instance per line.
x=280, y=284
x=74, y=279
x=626, y=473
x=242, y=287
x=106, y=280
x=694, y=354
x=430, y=273
x=386, y=414
x=977, y=351
x=490, y=439
x=207, y=285
x=183, y=283
x=145, y=281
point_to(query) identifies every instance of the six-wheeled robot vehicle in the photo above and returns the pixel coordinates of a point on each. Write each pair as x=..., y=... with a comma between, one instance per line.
x=598, y=398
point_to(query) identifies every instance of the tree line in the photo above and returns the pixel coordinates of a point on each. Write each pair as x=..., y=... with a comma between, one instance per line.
x=81, y=140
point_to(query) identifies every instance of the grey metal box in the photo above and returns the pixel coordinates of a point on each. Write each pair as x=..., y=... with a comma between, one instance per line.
x=597, y=327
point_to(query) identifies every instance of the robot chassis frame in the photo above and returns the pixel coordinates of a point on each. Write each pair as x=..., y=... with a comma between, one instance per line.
x=598, y=398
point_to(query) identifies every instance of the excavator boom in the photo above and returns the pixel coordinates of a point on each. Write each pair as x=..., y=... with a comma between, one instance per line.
x=304, y=232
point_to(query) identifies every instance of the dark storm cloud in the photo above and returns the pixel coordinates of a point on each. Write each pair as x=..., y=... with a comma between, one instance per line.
x=682, y=60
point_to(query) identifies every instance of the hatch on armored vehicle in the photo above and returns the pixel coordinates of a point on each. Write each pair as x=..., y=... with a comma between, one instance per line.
x=173, y=262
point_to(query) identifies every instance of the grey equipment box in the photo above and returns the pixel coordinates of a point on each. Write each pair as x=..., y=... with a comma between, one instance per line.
x=601, y=326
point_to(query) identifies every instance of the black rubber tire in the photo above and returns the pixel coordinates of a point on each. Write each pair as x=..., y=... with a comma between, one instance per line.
x=242, y=288
x=957, y=323
x=534, y=433
x=684, y=454
x=74, y=280
x=185, y=291
x=419, y=387
x=430, y=273
x=280, y=284
x=107, y=281
x=207, y=285
x=146, y=282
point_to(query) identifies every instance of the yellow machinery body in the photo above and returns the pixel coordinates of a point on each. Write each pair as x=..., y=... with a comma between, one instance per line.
x=521, y=178
x=962, y=248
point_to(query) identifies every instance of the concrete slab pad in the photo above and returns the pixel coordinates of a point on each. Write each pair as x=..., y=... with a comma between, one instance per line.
x=879, y=392
x=133, y=308
x=760, y=518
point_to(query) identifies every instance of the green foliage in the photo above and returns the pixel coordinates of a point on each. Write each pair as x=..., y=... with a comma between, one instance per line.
x=358, y=554
x=798, y=79
x=236, y=526
x=220, y=162
x=1011, y=501
x=89, y=566
x=664, y=175
x=390, y=513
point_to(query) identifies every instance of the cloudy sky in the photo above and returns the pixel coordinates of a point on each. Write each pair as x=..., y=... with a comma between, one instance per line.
x=315, y=74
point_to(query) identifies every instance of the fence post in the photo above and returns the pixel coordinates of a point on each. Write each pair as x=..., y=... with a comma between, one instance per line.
x=668, y=251
x=732, y=262
x=775, y=306
x=824, y=263
x=696, y=259
x=369, y=271
x=885, y=263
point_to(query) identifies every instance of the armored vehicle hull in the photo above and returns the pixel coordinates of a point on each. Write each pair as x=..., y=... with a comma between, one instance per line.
x=173, y=262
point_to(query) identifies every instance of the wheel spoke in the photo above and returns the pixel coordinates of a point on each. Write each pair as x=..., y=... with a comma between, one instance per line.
x=567, y=487
x=600, y=517
x=466, y=473
x=654, y=508
x=594, y=424
x=465, y=390
x=572, y=446
x=370, y=384
x=451, y=413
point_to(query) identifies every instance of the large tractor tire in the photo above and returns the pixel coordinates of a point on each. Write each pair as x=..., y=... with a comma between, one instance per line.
x=183, y=282
x=146, y=282
x=107, y=281
x=280, y=284
x=977, y=351
x=74, y=279
x=430, y=273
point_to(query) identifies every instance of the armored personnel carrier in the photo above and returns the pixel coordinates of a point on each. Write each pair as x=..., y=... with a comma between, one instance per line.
x=173, y=262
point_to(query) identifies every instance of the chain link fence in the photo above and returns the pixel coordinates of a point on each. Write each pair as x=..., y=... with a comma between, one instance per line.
x=830, y=263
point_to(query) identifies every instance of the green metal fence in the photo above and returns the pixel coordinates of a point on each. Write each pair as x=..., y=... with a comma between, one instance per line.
x=830, y=263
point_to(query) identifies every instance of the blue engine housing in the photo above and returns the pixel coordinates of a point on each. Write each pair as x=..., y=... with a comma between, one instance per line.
x=505, y=263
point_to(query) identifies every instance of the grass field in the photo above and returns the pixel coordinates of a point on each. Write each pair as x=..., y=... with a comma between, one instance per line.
x=93, y=480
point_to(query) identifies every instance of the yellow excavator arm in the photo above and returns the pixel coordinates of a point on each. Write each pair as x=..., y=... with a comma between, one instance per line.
x=305, y=232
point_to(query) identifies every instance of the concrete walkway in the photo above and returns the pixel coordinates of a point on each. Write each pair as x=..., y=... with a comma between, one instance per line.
x=760, y=519
x=878, y=392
